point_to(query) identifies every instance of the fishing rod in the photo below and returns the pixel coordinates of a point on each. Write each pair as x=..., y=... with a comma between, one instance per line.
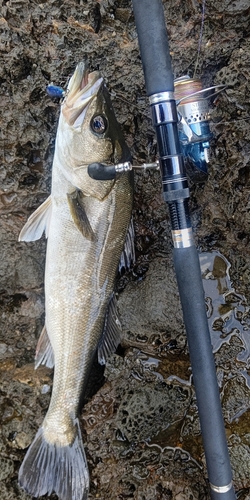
x=181, y=124
x=154, y=48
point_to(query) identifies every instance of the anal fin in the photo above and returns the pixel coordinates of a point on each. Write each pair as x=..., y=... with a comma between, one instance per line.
x=37, y=223
x=77, y=210
x=111, y=335
x=44, y=351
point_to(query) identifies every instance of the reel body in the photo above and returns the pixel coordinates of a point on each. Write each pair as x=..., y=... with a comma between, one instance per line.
x=193, y=125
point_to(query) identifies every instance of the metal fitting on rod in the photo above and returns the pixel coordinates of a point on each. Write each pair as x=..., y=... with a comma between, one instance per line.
x=174, y=179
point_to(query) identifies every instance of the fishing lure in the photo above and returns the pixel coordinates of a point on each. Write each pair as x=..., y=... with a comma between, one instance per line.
x=55, y=92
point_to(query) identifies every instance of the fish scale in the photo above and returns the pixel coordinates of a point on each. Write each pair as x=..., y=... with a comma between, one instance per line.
x=86, y=222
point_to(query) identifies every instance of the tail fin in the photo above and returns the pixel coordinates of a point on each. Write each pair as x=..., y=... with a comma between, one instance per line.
x=62, y=469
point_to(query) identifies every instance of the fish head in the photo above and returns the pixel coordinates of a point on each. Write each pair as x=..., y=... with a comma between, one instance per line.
x=88, y=131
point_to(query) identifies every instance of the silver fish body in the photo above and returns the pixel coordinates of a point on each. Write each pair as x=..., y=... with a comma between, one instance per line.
x=86, y=222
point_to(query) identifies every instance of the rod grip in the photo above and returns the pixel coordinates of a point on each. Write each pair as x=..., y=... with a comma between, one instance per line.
x=154, y=48
x=188, y=273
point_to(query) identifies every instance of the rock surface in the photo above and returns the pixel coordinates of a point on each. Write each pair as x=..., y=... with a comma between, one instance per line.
x=140, y=423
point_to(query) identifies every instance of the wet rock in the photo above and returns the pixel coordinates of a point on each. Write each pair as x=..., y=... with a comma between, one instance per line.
x=28, y=375
x=22, y=440
x=235, y=399
x=8, y=492
x=122, y=14
x=145, y=411
x=145, y=304
x=146, y=475
x=240, y=459
x=3, y=349
x=150, y=379
x=6, y=468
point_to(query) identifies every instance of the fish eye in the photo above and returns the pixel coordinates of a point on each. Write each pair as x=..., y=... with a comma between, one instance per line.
x=99, y=124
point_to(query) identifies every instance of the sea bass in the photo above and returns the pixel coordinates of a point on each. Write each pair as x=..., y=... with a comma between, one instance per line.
x=86, y=222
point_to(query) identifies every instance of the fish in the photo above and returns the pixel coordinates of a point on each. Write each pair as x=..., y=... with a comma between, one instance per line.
x=86, y=222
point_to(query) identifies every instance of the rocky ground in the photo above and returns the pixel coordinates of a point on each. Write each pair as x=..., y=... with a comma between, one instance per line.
x=140, y=423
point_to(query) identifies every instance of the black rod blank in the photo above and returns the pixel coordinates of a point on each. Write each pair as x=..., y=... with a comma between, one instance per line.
x=153, y=42
x=191, y=292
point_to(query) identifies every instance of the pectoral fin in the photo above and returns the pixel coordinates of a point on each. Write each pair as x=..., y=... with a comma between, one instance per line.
x=37, y=223
x=77, y=210
x=111, y=335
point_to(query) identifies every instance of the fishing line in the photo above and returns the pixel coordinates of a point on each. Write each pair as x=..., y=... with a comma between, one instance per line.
x=117, y=96
x=231, y=121
x=201, y=35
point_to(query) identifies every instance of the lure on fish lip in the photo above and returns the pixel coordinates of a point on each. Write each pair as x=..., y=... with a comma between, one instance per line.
x=86, y=223
x=55, y=92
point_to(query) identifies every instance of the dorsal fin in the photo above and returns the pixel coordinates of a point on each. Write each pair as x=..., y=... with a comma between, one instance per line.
x=37, y=223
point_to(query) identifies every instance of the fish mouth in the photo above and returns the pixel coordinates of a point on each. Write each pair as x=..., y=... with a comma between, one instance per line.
x=82, y=88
